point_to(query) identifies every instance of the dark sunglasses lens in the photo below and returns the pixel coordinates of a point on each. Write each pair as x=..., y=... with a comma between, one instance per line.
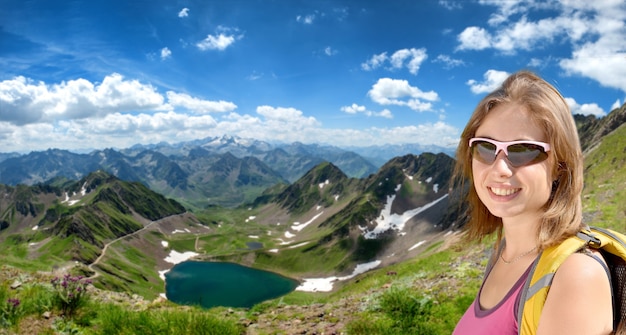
x=484, y=152
x=525, y=153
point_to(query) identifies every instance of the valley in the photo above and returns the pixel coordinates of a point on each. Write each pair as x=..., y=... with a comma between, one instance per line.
x=351, y=242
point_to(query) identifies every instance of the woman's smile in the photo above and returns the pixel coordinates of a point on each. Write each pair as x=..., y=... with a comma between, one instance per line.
x=504, y=192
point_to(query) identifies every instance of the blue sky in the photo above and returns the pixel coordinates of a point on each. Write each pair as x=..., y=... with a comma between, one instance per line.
x=94, y=74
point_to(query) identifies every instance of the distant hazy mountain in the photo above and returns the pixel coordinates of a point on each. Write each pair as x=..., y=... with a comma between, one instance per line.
x=380, y=154
x=226, y=171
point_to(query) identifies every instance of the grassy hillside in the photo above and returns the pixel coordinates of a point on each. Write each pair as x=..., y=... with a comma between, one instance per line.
x=605, y=182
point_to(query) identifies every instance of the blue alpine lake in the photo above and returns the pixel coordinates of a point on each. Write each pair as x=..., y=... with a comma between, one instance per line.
x=211, y=284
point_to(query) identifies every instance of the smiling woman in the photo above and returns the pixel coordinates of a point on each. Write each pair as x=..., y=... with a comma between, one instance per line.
x=210, y=284
x=520, y=155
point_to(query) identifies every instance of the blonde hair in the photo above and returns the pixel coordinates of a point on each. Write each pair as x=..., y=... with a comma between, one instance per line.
x=547, y=108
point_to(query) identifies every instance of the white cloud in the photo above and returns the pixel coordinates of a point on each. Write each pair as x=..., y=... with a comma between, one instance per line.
x=223, y=38
x=506, y=9
x=594, y=30
x=290, y=117
x=328, y=51
x=118, y=113
x=31, y=102
x=536, y=62
x=411, y=58
x=385, y=113
x=183, y=12
x=254, y=76
x=448, y=61
x=510, y=35
x=617, y=104
x=415, y=59
x=375, y=62
x=585, y=109
x=389, y=91
x=493, y=79
x=306, y=19
x=199, y=106
x=355, y=109
x=607, y=67
x=166, y=53
x=450, y=5
x=474, y=38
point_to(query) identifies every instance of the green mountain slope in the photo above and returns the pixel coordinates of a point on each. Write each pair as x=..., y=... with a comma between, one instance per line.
x=45, y=226
x=324, y=218
x=604, y=195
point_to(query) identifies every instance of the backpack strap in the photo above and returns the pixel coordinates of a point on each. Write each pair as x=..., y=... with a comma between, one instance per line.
x=536, y=287
x=611, y=244
x=613, y=249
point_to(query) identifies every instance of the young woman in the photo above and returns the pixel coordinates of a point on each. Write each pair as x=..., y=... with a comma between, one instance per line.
x=521, y=157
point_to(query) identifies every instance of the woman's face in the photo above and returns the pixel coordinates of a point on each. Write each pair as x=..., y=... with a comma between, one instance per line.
x=512, y=192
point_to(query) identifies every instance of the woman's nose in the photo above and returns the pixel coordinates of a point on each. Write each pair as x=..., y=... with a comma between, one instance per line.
x=501, y=165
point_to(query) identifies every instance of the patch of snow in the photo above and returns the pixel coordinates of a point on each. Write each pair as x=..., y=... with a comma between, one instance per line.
x=436, y=188
x=176, y=257
x=417, y=245
x=289, y=235
x=317, y=284
x=282, y=242
x=361, y=268
x=298, y=245
x=165, y=244
x=273, y=250
x=162, y=276
x=321, y=185
x=326, y=284
x=250, y=218
x=253, y=236
x=35, y=227
x=336, y=197
x=297, y=226
x=387, y=221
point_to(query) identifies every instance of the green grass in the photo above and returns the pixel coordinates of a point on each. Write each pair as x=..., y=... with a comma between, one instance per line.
x=113, y=319
x=604, y=195
x=19, y=306
x=407, y=307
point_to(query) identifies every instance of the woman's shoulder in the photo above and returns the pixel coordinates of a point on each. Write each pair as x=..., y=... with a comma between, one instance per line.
x=582, y=267
x=580, y=288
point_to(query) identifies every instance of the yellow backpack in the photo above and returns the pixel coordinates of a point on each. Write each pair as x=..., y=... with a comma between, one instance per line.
x=612, y=246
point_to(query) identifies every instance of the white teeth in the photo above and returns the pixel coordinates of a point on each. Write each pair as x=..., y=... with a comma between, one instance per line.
x=504, y=191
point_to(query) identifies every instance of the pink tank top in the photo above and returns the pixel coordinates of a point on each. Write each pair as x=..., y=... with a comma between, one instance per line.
x=501, y=319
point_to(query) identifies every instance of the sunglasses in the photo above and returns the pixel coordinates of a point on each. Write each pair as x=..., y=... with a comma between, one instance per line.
x=518, y=153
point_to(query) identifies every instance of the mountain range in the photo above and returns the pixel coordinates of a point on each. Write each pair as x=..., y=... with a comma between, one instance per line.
x=225, y=171
x=325, y=222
